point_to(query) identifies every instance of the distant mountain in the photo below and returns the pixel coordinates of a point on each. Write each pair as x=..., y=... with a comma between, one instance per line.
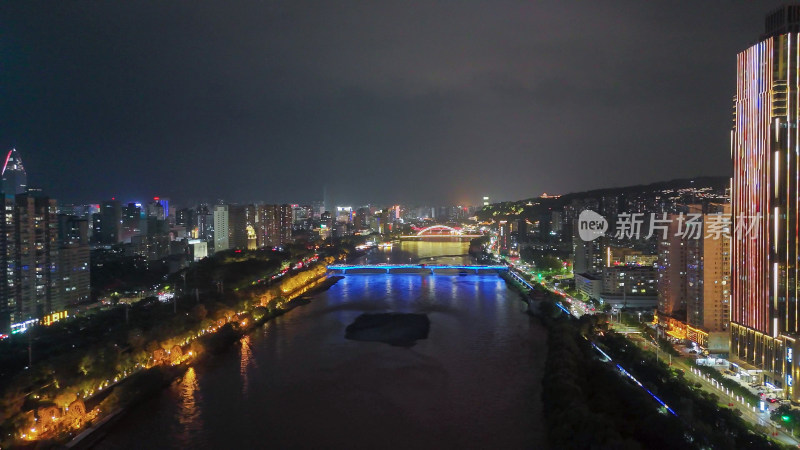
x=716, y=183
x=532, y=206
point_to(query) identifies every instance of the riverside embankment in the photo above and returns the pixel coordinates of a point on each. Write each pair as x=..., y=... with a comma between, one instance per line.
x=297, y=381
x=112, y=380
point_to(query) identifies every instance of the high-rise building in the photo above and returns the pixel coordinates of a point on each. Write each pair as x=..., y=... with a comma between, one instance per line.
x=221, y=228
x=242, y=222
x=765, y=313
x=184, y=217
x=673, y=260
x=694, y=276
x=85, y=212
x=157, y=208
x=204, y=225
x=267, y=231
x=32, y=257
x=131, y=221
x=274, y=225
x=15, y=180
x=712, y=315
x=73, y=284
x=300, y=213
x=7, y=245
x=344, y=214
x=285, y=223
x=360, y=221
x=588, y=256
x=556, y=223
x=326, y=225
x=108, y=223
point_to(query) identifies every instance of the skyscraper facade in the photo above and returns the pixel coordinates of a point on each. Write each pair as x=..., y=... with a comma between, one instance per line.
x=274, y=225
x=242, y=222
x=712, y=313
x=672, y=267
x=131, y=222
x=204, y=225
x=73, y=284
x=15, y=180
x=108, y=223
x=7, y=236
x=221, y=228
x=765, y=195
x=33, y=257
x=694, y=275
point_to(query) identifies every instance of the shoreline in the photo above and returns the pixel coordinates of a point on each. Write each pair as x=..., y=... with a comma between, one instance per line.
x=240, y=384
x=95, y=433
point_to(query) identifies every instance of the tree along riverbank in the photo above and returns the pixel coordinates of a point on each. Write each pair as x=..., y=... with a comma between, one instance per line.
x=61, y=396
x=146, y=384
x=592, y=403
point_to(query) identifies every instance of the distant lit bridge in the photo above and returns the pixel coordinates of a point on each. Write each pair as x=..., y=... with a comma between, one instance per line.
x=416, y=268
x=440, y=231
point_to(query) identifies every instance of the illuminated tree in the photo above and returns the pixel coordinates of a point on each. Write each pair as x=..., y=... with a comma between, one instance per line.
x=86, y=364
x=64, y=399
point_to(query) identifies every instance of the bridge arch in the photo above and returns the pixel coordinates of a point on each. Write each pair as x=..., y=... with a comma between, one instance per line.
x=439, y=227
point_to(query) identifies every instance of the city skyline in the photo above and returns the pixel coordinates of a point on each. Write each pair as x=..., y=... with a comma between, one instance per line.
x=374, y=225
x=364, y=105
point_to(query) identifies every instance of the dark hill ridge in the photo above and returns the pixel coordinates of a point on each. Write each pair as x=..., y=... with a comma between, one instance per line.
x=716, y=183
x=532, y=206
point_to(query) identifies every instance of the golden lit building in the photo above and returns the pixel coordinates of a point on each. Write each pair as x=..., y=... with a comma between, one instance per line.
x=712, y=312
x=694, y=276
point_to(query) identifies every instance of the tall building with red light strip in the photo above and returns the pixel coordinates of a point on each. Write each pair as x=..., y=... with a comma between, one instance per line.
x=15, y=179
x=765, y=148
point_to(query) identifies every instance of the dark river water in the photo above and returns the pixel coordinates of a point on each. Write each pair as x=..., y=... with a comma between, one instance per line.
x=298, y=383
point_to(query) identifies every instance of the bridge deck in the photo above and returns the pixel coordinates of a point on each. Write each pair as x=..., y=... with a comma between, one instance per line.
x=431, y=267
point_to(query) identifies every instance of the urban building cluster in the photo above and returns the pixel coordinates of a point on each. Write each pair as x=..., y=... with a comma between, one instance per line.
x=735, y=294
x=685, y=277
x=657, y=252
x=45, y=254
x=49, y=249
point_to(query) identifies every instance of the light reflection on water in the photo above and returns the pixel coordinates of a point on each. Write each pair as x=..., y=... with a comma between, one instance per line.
x=245, y=362
x=442, y=252
x=189, y=416
x=474, y=383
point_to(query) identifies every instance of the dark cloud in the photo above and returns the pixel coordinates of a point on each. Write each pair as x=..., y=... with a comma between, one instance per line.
x=380, y=101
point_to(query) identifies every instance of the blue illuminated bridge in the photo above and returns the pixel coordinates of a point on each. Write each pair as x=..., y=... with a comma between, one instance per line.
x=415, y=268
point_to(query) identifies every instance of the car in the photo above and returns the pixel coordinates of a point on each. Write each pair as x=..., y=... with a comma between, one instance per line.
x=772, y=400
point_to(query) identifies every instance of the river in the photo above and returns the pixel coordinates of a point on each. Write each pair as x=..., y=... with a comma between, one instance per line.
x=475, y=382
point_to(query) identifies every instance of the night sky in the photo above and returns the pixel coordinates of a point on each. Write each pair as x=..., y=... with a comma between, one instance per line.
x=402, y=102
